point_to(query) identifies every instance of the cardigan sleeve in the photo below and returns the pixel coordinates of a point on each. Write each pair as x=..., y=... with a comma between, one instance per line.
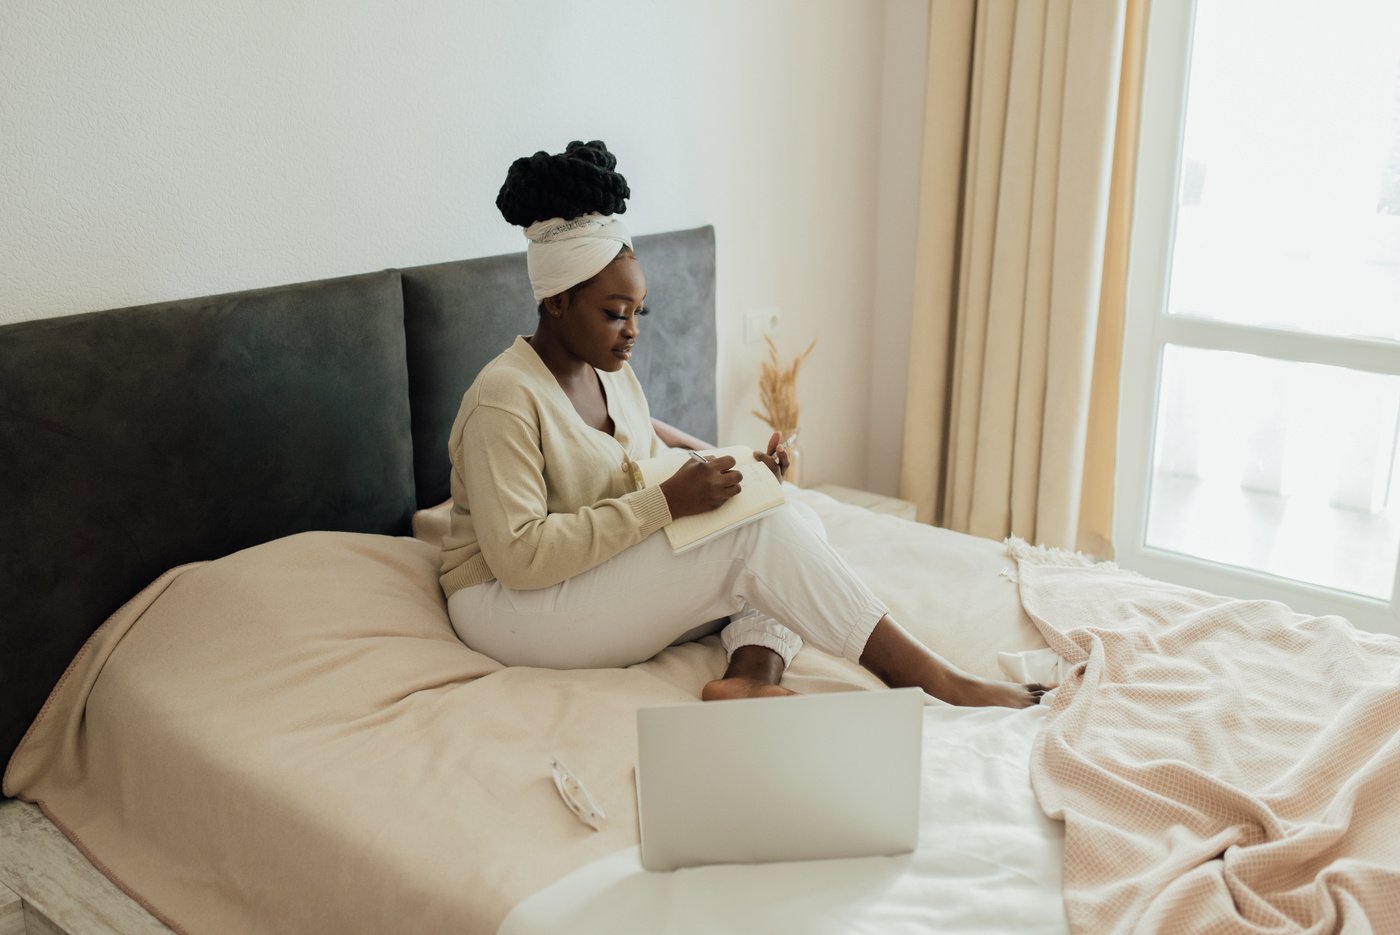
x=525, y=545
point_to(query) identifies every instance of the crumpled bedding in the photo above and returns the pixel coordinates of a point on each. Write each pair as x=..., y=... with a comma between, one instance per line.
x=291, y=738
x=1220, y=765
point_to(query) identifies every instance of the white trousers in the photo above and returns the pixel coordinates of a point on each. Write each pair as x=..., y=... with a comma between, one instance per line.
x=777, y=579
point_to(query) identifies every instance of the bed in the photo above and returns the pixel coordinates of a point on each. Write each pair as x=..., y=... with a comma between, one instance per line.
x=228, y=675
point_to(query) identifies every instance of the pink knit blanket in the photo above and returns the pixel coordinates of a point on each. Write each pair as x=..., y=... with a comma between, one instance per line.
x=1220, y=765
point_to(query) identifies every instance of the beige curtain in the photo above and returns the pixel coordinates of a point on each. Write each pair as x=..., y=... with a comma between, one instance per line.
x=1024, y=208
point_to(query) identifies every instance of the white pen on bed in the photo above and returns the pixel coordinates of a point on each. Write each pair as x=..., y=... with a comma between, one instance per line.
x=697, y=456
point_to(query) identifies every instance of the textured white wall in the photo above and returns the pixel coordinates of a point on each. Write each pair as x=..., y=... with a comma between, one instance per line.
x=161, y=149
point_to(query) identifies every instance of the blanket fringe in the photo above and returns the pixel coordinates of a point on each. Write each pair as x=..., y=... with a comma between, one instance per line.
x=1024, y=553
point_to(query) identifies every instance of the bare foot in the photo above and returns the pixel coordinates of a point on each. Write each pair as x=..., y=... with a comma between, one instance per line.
x=972, y=692
x=753, y=672
x=900, y=660
x=728, y=689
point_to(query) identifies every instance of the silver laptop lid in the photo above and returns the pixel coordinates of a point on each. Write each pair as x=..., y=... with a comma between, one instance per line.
x=791, y=778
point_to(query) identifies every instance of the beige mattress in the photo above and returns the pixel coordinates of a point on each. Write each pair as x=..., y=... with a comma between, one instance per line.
x=292, y=739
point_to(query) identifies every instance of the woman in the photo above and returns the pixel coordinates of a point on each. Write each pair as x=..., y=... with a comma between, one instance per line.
x=553, y=560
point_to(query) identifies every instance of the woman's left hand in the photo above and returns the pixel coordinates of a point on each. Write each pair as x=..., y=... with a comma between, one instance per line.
x=776, y=458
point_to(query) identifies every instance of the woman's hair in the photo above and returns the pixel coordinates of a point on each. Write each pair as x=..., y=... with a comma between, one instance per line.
x=581, y=180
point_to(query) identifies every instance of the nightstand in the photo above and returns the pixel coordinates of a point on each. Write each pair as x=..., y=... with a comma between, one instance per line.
x=874, y=502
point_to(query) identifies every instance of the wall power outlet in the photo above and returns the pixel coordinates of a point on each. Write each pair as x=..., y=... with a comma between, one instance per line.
x=758, y=323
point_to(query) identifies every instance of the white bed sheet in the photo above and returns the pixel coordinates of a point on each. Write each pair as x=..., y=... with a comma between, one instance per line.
x=988, y=861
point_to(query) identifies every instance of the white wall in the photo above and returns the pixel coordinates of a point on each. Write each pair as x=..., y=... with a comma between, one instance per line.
x=161, y=149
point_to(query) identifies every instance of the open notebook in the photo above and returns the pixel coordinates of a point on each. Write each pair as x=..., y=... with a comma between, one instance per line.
x=761, y=492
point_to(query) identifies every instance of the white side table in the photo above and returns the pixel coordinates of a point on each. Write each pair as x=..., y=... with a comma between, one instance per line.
x=874, y=502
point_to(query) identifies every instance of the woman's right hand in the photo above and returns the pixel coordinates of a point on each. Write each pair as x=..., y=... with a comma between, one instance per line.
x=699, y=488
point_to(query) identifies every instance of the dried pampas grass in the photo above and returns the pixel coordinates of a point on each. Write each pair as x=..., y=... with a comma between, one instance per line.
x=777, y=390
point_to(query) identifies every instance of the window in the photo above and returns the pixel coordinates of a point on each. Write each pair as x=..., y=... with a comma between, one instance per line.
x=1259, y=428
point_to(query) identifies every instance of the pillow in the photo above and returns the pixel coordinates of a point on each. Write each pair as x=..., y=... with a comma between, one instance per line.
x=430, y=525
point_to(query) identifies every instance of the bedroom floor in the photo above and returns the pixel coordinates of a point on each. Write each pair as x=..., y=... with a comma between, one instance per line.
x=47, y=886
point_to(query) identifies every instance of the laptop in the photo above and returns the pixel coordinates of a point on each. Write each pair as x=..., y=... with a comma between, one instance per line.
x=792, y=778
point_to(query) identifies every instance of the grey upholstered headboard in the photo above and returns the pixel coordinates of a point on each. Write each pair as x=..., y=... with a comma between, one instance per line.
x=137, y=439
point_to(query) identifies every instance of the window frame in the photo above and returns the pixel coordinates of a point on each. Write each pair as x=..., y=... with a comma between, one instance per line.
x=1149, y=327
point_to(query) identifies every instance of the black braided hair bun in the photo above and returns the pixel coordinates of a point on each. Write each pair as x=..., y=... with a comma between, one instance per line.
x=580, y=180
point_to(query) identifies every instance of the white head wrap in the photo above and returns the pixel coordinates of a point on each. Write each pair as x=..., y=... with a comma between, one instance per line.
x=565, y=253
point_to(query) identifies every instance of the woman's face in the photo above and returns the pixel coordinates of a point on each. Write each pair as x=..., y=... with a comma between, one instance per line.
x=598, y=324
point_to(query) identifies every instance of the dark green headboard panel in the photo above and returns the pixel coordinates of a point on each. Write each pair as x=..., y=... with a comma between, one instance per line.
x=138, y=439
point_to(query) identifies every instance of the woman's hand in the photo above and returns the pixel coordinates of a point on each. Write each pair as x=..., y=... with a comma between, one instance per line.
x=700, y=488
x=776, y=458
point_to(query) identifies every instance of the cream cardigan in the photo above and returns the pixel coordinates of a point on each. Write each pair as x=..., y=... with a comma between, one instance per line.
x=538, y=495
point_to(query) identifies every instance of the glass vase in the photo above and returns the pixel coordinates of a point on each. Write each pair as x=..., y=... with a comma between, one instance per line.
x=794, y=452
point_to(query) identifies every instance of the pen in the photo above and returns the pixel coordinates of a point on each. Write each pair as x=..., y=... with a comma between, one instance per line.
x=696, y=455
